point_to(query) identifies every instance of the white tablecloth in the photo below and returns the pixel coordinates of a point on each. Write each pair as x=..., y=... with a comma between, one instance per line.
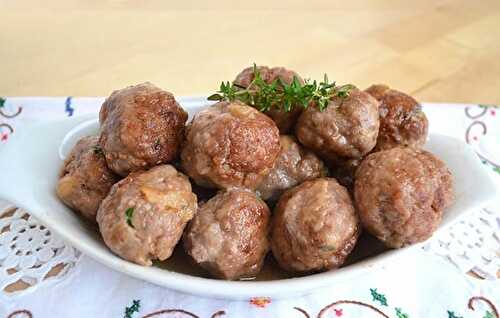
x=424, y=285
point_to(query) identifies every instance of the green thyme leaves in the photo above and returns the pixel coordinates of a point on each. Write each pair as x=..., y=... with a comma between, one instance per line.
x=278, y=94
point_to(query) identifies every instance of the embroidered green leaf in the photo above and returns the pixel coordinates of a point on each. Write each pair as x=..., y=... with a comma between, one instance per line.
x=488, y=314
x=378, y=297
x=401, y=314
x=129, y=311
x=451, y=314
x=2, y=102
x=487, y=106
x=496, y=169
x=128, y=216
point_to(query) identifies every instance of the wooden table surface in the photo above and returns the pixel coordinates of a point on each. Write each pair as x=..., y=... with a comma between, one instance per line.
x=436, y=50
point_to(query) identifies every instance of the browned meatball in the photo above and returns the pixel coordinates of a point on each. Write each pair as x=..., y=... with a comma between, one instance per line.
x=144, y=215
x=230, y=144
x=315, y=226
x=344, y=170
x=401, y=194
x=294, y=165
x=402, y=121
x=284, y=120
x=141, y=126
x=348, y=127
x=85, y=179
x=377, y=91
x=228, y=236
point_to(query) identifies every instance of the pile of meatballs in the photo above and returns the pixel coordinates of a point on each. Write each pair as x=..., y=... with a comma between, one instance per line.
x=150, y=180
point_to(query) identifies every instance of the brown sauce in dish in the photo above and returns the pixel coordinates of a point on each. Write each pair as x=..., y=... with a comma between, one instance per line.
x=181, y=262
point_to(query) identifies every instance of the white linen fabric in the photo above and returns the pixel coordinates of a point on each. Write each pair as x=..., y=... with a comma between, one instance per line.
x=431, y=284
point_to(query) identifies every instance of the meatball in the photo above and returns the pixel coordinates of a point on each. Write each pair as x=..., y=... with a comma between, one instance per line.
x=348, y=127
x=85, y=179
x=315, y=226
x=294, y=165
x=144, y=215
x=402, y=121
x=401, y=193
x=230, y=145
x=284, y=120
x=141, y=126
x=228, y=235
x=377, y=91
x=344, y=170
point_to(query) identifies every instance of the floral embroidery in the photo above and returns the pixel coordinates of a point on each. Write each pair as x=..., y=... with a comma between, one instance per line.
x=68, y=109
x=218, y=314
x=401, y=314
x=324, y=311
x=302, y=311
x=378, y=297
x=5, y=135
x=260, y=302
x=478, y=127
x=3, y=114
x=129, y=311
x=489, y=314
x=172, y=311
x=451, y=314
x=21, y=314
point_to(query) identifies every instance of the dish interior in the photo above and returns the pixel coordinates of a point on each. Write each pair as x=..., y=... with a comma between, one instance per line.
x=180, y=262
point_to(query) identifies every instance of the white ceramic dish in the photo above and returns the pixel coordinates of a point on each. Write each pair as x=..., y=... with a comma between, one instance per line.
x=31, y=161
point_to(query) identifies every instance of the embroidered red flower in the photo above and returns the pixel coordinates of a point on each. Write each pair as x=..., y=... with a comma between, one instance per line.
x=260, y=302
x=4, y=137
x=338, y=312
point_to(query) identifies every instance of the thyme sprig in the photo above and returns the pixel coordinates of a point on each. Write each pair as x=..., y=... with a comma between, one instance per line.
x=278, y=94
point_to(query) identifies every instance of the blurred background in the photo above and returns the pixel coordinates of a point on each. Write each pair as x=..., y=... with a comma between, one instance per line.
x=442, y=50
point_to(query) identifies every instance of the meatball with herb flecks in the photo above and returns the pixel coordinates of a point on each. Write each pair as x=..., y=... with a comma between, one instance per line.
x=228, y=236
x=402, y=121
x=85, y=179
x=294, y=165
x=347, y=127
x=285, y=120
x=141, y=126
x=144, y=215
x=315, y=226
x=229, y=145
x=401, y=194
